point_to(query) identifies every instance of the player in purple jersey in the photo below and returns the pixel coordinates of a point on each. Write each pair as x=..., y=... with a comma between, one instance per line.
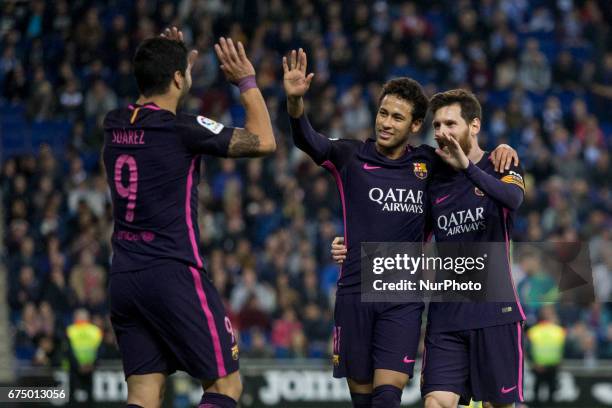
x=382, y=179
x=165, y=312
x=472, y=350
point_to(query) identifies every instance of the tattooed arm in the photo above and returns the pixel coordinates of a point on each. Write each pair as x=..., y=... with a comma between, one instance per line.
x=245, y=144
x=257, y=138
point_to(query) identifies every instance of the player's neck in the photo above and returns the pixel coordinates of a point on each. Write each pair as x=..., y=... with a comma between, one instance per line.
x=391, y=153
x=475, y=154
x=161, y=101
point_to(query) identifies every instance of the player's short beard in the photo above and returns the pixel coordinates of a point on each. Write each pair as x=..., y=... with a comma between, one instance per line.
x=465, y=143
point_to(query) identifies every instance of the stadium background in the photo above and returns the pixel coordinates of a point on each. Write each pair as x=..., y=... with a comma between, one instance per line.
x=542, y=69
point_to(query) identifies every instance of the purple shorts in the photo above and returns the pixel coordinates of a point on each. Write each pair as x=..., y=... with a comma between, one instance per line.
x=169, y=318
x=481, y=364
x=370, y=336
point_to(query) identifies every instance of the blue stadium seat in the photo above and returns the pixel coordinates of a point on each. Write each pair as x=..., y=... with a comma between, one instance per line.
x=25, y=354
x=537, y=99
x=10, y=113
x=317, y=349
x=438, y=22
x=582, y=53
x=90, y=159
x=54, y=133
x=16, y=138
x=498, y=98
x=238, y=115
x=281, y=352
x=15, y=317
x=566, y=98
x=246, y=339
x=606, y=127
x=343, y=82
x=548, y=45
x=550, y=49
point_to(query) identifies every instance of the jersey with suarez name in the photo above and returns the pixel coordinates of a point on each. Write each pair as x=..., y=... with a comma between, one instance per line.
x=152, y=159
x=383, y=200
x=475, y=206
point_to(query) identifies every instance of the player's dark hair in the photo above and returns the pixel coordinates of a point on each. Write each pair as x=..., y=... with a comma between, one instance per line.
x=470, y=107
x=410, y=91
x=156, y=61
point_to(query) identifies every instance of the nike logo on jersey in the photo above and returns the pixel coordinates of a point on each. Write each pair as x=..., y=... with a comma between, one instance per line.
x=440, y=199
x=366, y=166
x=505, y=390
x=407, y=360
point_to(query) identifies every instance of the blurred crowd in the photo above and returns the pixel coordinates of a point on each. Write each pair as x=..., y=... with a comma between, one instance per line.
x=542, y=70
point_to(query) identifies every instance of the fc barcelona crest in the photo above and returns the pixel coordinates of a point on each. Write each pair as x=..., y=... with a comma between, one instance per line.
x=420, y=170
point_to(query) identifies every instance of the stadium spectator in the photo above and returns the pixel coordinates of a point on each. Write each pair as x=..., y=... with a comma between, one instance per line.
x=248, y=288
x=535, y=73
x=602, y=84
x=84, y=339
x=259, y=347
x=27, y=289
x=26, y=332
x=86, y=277
x=536, y=288
x=60, y=296
x=284, y=329
x=546, y=341
x=602, y=278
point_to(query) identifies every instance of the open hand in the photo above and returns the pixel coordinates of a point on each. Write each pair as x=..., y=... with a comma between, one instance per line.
x=175, y=34
x=295, y=80
x=234, y=62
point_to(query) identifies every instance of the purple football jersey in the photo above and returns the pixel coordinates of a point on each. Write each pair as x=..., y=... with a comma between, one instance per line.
x=152, y=159
x=383, y=200
x=471, y=206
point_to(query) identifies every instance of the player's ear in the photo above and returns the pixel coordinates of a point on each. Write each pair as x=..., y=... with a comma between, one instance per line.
x=475, y=126
x=179, y=79
x=416, y=125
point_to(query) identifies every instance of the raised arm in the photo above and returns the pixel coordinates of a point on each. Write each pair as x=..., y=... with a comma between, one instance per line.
x=296, y=84
x=257, y=138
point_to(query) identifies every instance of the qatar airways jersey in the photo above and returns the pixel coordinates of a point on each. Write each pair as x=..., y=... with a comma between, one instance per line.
x=476, y=205
x=383, y=200
x=152, y=159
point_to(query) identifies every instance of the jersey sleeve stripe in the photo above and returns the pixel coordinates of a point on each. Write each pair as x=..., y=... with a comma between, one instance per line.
x=520, y=371
x=192, y=239
x=332, y=168
x=507, y=240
